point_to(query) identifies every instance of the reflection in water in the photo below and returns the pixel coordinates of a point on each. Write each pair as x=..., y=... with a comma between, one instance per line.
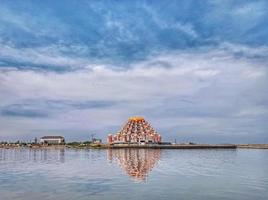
x=35, y=155
x=54, y=174
x=48, y=155
x=136, y=162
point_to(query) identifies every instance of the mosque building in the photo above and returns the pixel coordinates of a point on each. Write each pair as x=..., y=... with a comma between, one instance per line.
x=135, y=131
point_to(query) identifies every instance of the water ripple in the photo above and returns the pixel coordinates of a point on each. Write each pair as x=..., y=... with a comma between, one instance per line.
x=27, y=174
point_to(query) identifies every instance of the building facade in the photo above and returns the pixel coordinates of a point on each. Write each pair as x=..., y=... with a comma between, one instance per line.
x=52, y=140
x=136, y=131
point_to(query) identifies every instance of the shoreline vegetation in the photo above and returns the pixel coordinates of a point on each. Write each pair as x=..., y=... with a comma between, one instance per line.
x=78, y=145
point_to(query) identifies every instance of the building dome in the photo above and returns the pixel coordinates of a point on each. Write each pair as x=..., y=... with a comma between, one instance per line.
x=136, y=119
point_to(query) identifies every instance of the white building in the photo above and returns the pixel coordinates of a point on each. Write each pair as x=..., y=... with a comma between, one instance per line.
x=52, y=140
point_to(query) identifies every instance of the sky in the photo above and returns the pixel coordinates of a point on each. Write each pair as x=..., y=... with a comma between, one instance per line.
x=196, y=70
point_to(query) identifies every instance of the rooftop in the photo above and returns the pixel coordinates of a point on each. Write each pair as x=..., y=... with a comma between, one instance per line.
x=136, y=118
x=52, y=137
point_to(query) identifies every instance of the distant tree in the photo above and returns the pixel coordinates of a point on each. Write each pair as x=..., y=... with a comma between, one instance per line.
x=87, y=142
x=74, y=143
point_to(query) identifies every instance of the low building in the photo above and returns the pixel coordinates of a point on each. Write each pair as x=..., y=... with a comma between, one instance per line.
x=52, y=140
x=136, y=131
x=96, y=141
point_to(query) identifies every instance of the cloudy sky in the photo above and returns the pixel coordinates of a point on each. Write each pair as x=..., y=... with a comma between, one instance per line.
x=196, y=70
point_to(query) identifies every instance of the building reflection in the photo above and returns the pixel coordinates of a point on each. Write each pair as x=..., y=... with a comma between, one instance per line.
x=137, y=163
x=49, y=155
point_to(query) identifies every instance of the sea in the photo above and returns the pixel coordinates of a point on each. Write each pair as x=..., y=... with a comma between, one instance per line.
x=79, y=174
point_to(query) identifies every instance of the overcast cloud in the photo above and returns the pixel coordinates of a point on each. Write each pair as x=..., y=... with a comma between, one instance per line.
x=196, y=71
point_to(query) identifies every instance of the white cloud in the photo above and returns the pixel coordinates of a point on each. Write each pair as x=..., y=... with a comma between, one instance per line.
x=251, y=11
x=136, y=83
x=43, y=56
x=254, y=73
x=259, y=51
x=184, y=27
x=253, y=111
x=33, y=23
x=214, y=86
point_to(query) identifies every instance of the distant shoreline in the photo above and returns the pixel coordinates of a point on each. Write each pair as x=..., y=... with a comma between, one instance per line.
x=146, y=146
x=252, y=146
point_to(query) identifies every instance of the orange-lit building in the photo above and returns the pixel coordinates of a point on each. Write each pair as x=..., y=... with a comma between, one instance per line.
x=136, y=131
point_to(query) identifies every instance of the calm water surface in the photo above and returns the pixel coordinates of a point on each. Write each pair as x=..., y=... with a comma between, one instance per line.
x=65, y=174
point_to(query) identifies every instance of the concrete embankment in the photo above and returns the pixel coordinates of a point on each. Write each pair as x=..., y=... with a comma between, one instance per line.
x=178, y=146
x=147, y=146
x=187, y=146
x=194, y=146
x=253, y=146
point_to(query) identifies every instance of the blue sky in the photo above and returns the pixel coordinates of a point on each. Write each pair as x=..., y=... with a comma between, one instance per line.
x=197, y=70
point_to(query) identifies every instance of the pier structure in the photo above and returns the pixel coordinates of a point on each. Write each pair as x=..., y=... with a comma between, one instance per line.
x=135, y=131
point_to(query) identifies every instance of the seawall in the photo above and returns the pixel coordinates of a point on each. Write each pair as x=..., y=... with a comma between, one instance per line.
x=175, y=146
